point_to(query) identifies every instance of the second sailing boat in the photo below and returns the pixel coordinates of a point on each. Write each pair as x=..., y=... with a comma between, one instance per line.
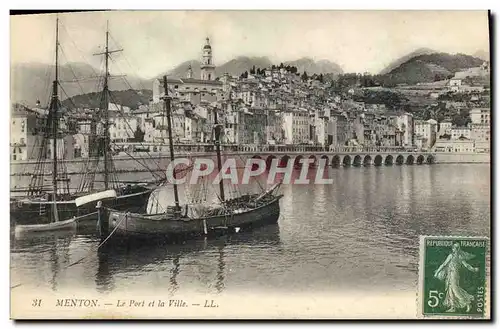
x=230, y=214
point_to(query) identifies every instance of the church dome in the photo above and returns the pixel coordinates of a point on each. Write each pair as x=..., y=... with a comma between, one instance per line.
x=207, y=44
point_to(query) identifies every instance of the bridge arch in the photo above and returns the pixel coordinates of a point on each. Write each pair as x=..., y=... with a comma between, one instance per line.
x=400, y=160
x=336, y=161
x=430, y=159
x=254, y=165
x=389, y=160
x=313, y=164
x=284, y=161
x=357, y=161
x=420, y=159
x=378, y=160
x=296, y=162
x=346, y=161
x=269, y=161
x=367, y=161
x=410, y=159
x=324, y=157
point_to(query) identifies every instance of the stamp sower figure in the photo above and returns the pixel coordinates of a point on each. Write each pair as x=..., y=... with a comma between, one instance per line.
x=449, y=272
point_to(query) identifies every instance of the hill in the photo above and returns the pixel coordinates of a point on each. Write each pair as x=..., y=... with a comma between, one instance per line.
x=130, y=98
x=33, y=81
x=241, y=64
x=482, y=54
x=180, y=70
x=428, y=68
x=395, y=64
x=312, y=67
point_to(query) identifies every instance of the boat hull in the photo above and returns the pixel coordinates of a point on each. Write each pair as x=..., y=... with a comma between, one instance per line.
x=25, y=212
x=69, y=224
x=139, y=225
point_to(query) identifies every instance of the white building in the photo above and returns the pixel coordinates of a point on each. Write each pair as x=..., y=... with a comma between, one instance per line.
x=480, y=134
x=480, y=115
x=296, y=126
x=455, y=84
x=24, y=140
x=444, y=128
x=405, y=125
x=123, y=128
x=81, y=145
x=320, y=129
x=458, y=132
x=65, y=148
x=456, y=146
x=427, y=131
x=112, y=107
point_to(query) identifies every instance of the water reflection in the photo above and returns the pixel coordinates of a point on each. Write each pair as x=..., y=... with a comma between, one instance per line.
x=361, y=232
x=49, y=255
x=175, y=272
x=103, y=280
x=140, y=256
x=219, y=286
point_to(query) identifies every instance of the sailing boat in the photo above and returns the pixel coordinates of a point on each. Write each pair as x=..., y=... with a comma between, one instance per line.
x=40, y=207
x=230, y=215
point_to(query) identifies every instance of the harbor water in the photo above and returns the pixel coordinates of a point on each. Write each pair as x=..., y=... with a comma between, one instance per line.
x=360, y=233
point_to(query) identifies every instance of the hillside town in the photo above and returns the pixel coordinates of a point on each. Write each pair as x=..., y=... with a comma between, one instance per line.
x=275, y=106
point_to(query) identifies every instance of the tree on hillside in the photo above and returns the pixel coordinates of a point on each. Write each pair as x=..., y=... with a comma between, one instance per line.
x=273, y=67
x=252, y=70
x=281, y=65
x=461, y=119
x=320, y=78
x=304, y=76
x=244, y=75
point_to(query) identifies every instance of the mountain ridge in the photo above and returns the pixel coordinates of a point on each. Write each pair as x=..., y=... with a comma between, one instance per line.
x=430, y=67
x=32, y=81
x=397, y=62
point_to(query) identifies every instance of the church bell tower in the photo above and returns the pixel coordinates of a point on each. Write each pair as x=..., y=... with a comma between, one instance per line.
x=207, y=65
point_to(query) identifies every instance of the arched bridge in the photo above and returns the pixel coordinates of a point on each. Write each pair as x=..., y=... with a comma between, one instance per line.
x=339, y=159
x=335, y=157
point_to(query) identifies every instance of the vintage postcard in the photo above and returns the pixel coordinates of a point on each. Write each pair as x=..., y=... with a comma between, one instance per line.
x=250, y=165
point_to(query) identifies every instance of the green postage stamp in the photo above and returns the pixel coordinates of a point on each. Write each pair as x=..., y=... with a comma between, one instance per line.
x=452, y=276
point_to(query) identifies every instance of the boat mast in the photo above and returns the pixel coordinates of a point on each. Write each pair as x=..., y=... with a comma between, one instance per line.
x=166, y=99
x=55, y=123
x=106, y=114
x=105, y=107
x=217, y=150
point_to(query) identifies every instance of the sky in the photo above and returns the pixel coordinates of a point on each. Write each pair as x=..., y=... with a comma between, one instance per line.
x=156, y=41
